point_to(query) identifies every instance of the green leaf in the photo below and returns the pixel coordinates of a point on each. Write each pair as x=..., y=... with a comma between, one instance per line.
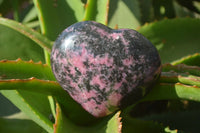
x=24, y=69
x=166, y=91
x=34, y=105
x=172, y=77
x=188, y=75
x=181, y=68
x=27, y=101
x=175, y=38
x=48, y=88
x=114, y=124
x=177, y=82
x=16, y=74
x=97, y=11
x=19, y=123
x=124, y=13
x=106, y=125
x=180, y=82
x=45, y=87
x=14, y=45
x=55, y=16
x=192, y=60
x=28, y=33
x=102, y=11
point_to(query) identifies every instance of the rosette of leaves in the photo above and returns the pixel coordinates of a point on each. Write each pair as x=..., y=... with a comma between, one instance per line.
x=27, y=81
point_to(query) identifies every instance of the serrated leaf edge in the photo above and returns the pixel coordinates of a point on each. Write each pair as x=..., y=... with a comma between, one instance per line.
x=119, y=122
x=19, y=60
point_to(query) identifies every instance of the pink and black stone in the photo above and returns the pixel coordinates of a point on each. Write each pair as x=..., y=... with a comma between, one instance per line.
x=104, y=69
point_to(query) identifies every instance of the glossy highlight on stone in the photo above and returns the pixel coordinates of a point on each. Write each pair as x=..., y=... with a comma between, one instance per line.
x=104, y=69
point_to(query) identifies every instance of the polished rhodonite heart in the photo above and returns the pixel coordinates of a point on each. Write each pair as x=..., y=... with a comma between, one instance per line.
x=104, y=69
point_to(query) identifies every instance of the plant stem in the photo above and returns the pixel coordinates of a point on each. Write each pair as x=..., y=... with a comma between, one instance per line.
x=90, y=10
x=52, y=105
x=44, y=32
x=47, y=57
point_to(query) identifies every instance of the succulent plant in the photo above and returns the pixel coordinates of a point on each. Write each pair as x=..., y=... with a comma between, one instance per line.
x=104, y=69
x=110, y=68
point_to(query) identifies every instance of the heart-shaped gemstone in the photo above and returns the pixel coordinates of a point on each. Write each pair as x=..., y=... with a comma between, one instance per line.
x=104, y=69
